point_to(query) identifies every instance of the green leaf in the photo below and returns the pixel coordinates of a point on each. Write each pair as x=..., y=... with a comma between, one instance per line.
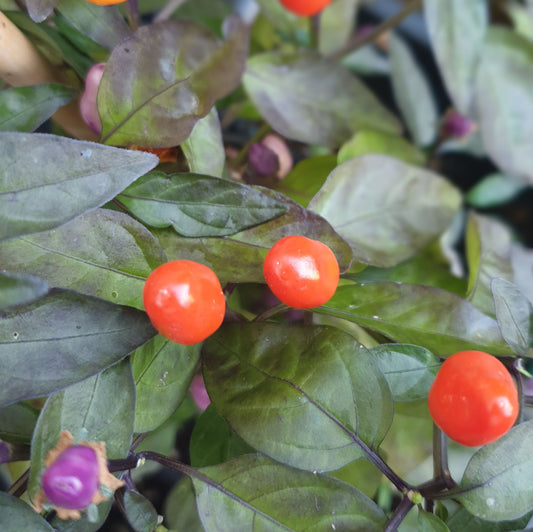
x=17, y=422
x=40, y=10
x=84, y=524
x=413, y=94
x=310, y=397
x=306, y=178
x=255, y=493
x=367, y=61
x=197, y=205
x=457, y=30
x=98, y=409
x=370, y=141
x=311, y=99
x=514, y=313
x=497, y=481
x=163, y=371
x=505, y=103
x=17, y=516
x=409, y=369
x=283, y=19
x=386, y=209
x=106, y=26
x=421, y=315
x=488, y=251
x=204, y=149
x=252, y=245
x=19, y=289
x=180, y=508
x=430, y=523
x=103, y=253
x=26, y=108
x=46, y=181
x=65, y=337
x=160, y=81
x=337, y=23
x=494, y=190
x=140, y=512
x=463, y=521
x=213, y=441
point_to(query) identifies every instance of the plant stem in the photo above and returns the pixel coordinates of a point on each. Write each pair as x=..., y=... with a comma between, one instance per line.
x=20, y=485
x=272, y=311
x=440, y=457
x=133, y=16
x=167, y=11
x=392, y=22
x=399, y=514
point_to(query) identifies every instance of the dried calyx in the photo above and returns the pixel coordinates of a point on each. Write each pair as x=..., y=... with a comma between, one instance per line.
x=74, y=478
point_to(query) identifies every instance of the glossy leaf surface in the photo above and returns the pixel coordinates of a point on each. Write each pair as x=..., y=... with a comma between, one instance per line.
x=308, y=397
x=64, y=337
x=197, y=205
x=46, y=181
x=18, y=515
x=19, y=289
x=103, y=253
x=160, y=81
x=421, y=315
x=386, y=209
x=17, y=422
x=141, y=514
x=255, y=493
x=312, y=100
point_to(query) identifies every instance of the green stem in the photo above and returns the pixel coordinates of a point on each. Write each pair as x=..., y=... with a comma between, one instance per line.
x=132, y=14
x=272, y=311
x=388, y=24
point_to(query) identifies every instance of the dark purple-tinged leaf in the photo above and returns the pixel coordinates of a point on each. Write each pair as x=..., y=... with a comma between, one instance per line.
x=488, y=252
x=18, y=515
x=514, y=313
x=413, y=94
x=199, y=205
x=46, y=180
x=213, y=441
x=163, y=371
x=103, y=253
x=160, y=81
x=19, y=289
x=253, y=492
x=306, y=396
x=464, y=521
x=457, y=29
x=425, y=316
x=306, y=178
x=497, y=481
x=308, y=98
x=17, y=422
x=104, y=25
x=40, y=10
x=494, y=190
x=204, y=149
x=24, y=109
x=386, y=209
x=409, y=369
x=98, y=409
x=140, y=512
x=505, y=103
x=252, y=245
x=61, y=339
x=371, y=141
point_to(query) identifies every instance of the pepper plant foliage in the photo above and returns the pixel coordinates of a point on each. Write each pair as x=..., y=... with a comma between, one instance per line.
x=318, y=419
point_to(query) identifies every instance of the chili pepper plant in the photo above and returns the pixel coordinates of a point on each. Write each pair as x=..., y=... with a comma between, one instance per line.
x=199, y=134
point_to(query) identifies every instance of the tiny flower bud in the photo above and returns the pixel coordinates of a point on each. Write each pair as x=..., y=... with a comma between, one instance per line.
x=456, y=125
x=88, y=108
x=199, y=393
x=262, y=159
x=280, y=148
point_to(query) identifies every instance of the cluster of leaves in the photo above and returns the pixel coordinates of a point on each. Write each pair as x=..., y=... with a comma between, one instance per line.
x=316, y=423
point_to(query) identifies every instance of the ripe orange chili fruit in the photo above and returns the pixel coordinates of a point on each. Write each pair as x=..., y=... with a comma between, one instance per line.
x=301, y=272
x=184, y=301
x=473, y=399
x=305, y=8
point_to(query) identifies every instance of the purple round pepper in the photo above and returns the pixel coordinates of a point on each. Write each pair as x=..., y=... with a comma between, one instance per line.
x=72, y=480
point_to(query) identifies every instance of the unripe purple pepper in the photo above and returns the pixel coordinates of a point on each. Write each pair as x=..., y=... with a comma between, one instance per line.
x=72, y=480
x=88, y=107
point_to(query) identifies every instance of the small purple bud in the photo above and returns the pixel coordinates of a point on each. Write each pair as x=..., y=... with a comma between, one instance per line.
x=199, y=393
x=72, y=480
x=88, y=108
x=262, y=159
x=5, y=452
x=456, y=125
